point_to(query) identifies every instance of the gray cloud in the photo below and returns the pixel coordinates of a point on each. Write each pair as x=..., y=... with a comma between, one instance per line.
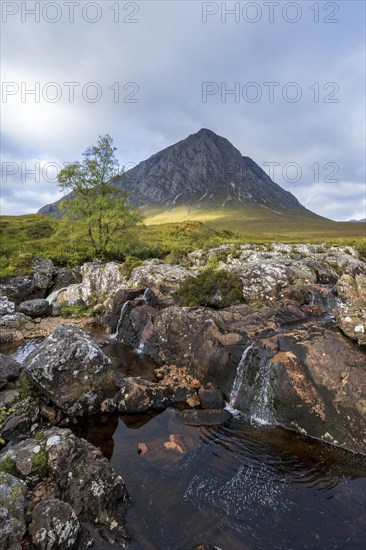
x=169, y=54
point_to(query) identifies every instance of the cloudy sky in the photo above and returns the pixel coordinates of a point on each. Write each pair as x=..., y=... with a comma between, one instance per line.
x=283, y=81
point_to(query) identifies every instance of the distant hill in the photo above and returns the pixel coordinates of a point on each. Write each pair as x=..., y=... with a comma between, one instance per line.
x=363, y=220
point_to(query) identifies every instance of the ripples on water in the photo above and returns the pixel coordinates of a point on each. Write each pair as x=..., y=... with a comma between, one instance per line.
x=240, y=487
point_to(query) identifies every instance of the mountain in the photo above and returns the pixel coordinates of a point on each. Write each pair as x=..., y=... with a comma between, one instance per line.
x=357, y=221
x=202, y=171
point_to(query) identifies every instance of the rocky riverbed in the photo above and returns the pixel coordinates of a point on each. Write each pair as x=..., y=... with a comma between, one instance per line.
x=289, y=354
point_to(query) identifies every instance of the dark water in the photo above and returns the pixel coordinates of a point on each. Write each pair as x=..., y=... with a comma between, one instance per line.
x=238, y=486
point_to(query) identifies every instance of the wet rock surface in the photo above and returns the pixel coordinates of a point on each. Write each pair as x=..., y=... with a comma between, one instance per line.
x=70, y=369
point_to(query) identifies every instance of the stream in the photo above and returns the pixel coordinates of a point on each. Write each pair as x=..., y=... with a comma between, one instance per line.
x=240, y=486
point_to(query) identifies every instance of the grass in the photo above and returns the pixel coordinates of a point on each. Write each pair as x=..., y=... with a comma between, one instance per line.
x=166, y=234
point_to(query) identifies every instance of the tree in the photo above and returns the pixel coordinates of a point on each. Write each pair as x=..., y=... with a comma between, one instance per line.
x=94, y=200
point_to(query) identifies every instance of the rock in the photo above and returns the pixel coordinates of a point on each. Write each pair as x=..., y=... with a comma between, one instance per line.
x=65, y=278
x=140, y=395
x=174, y=443
x=36, y=285
x=23, y=414
x=211, y=398
x=34, y=308
x=82, y=477
x=351, y=312
x=315, y=384
x=56, y=309
x=13, y=321
x=135, y=324
x=193, y=401
x=156, y=299
x=12, y=512
x=70, y=369
x=142, y=448
x=209, y=417
x=209, y=343
x=8, y=397
x=98, y=282
x=124, y=295
x=52, y=415
x=6, y=306
x=55, y=526
x=9, y=369
x=164, y=277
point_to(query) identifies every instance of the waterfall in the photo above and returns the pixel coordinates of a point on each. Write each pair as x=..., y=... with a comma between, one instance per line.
x=258, y=389
x=260, y=412
x=239, y=377
x=121, y=315
x=52, y=297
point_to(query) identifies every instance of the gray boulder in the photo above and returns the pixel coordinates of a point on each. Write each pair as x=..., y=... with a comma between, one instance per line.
x=35, y=308
x=9, y=370
x=6, y=306
x=69, y=368
x=12, y=512
x=55, y=526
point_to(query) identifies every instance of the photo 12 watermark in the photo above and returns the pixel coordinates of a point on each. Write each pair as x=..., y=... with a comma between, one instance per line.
x=269, y=92
x=70, y=92
x=70, y=12
x=270, y=12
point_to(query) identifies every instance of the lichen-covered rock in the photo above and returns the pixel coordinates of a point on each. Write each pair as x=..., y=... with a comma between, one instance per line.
x=35, y=308
x=99, y=281
x=9, y=369
x=70, y=369
x=166, y=278
x=23, y=414
x=6, y=306
x=79, y=475
x=55, y=526
x=351, y=312
x=13, y=321
x=12, y=512
x=65, y=278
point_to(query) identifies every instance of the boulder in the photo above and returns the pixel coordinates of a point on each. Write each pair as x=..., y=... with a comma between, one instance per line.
x=6, y=306
x=23, y=414
x=70, y=370
x=351, y=311
x=166, y=278
x=315, y=384
x=35, y=308
x=65, y=278
x=55, y=526
x=9, y=370
x=36, y=285
x=12, y=512
x=155, y=298
x=139, y=395
x=79, y=475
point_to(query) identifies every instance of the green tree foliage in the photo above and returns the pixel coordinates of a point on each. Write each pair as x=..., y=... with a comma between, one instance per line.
x=95, y=200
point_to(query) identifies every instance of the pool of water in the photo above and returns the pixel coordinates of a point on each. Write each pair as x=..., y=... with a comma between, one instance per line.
x=239, y=486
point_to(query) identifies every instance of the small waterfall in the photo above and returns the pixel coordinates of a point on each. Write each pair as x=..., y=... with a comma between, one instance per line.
x=239, y=377
x=260, y=412
x=23, y=352
x=121, y=315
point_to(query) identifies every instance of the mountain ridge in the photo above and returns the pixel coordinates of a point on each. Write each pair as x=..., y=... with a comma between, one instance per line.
x=203, y=170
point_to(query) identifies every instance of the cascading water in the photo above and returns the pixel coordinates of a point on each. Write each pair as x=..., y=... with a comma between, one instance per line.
x=121, y=315
x=260, y=386
x=239, y=377
x=260, y=411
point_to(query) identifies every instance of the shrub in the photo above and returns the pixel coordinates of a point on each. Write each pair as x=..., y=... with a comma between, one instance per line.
x=68, y=310
x=40, y=464
x=129, y=265
x=212, y=288
x=7, y=466
x=28, y=389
